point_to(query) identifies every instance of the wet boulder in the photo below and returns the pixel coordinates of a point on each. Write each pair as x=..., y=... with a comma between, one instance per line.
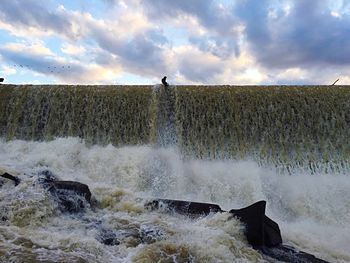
x=260, y=230
x=193, y=209
x=11, y=177
x=108, y=237
x=150, y=234
x=71, y=196
x=290, y=254
x=262, y=233
x=130, y=235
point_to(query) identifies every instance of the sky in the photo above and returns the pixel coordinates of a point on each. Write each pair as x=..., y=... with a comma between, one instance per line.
x=235, y=42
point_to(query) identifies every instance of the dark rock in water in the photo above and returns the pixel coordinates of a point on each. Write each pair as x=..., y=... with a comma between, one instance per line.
x=11, y=177
x=1, y=79
x=272, y=233
x=150, y=234
x=261, y=231
x=108, y=237
x=290, y=254
x=253, y=218
x=184, y=207
x=46, y=176
x=71, y=196
x=144, y=234
x=75, y=187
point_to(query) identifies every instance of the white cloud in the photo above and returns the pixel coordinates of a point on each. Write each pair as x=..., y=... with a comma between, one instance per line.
x=252, y=44
x=35, y=48
x=7, y=71
x=73, y=49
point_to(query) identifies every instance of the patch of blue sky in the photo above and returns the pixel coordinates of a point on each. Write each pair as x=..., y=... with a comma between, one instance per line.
x=6, y=38
x=132, y=79
x=227, y=3
x=96, y=8
x=54, y=43
x=175, y=35
x=57, y=44
x=25, y=76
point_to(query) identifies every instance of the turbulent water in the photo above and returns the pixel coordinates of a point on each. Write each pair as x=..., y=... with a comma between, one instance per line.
x=227, y=145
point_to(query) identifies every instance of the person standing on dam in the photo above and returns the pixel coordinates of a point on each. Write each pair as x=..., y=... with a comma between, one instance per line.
x=164, y=82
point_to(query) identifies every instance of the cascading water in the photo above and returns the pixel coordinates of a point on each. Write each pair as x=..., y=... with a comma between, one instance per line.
x=99, y=115
x=293, y=128
x=164, y=98
x=227, y=145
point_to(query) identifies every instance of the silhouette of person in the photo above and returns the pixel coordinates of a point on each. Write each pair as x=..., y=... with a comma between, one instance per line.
x=164, y=82
x=1, y=79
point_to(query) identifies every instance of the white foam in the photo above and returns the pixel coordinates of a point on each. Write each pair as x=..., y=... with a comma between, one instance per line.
x=312, y=211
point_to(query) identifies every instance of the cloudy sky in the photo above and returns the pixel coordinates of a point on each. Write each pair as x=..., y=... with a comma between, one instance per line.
x=190, y=41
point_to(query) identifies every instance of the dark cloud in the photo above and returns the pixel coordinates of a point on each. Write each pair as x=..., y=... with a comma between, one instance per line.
x=218, y=46
x=196, y=69
x=142, y=53
x=31, y=13
x=207, y=11
x=308, y=36
x=220, y=40
x=157, y=36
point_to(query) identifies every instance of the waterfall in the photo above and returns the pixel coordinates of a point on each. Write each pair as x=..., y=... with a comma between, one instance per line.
x=165, y=122
x=98, y=114
x=291, y=127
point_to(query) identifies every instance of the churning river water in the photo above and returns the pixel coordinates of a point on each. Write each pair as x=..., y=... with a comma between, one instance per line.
x=231, y=146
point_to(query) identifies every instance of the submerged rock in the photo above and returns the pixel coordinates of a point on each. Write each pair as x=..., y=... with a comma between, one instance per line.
x=194, y=209
x=290, y=254
x=108, y=237
x=260, y=229
x=11, y=177
x=71, y=196
x=132, y=236
x=262, y=233
x=150, y=234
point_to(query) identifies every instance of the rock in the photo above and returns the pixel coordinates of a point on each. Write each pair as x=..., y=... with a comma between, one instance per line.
x=290, y=254
x=260, y=229
x=71, y=196
x=108, y=237
x=11, y=177
x=262, y=232
x=272, y=233
x=193, y=209
x=150, y=234
x=253, y=218
x=46, y=176
x=71, y=186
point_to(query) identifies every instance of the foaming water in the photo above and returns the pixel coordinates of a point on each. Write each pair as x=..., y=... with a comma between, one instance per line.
x=294, y=128
x=312, y=210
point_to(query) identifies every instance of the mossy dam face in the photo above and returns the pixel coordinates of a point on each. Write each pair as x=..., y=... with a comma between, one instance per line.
x=290, y=127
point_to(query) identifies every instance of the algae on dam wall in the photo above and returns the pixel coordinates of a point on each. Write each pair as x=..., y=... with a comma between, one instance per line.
x=292, y=127
x=99, y=114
